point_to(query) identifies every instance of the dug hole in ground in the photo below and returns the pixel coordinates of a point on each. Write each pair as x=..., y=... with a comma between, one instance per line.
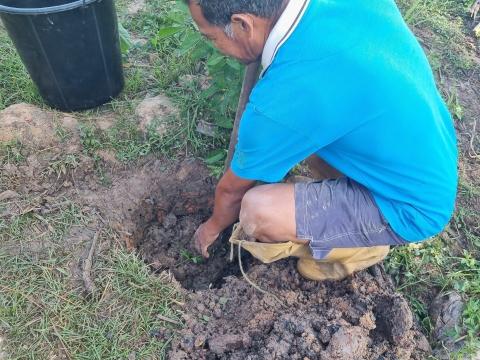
x=155, y=207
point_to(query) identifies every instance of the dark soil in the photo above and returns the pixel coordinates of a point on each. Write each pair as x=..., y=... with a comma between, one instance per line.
x=182, y=202
x=168, y=245
x=360, y=317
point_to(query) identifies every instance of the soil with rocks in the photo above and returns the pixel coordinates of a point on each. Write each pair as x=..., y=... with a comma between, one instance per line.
x=360, y=317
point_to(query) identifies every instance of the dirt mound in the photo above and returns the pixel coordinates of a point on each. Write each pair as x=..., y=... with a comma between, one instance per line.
x=358, y=318
x=37, y=128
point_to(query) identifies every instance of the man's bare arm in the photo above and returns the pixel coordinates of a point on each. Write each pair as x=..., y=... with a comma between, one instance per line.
x=228, y=198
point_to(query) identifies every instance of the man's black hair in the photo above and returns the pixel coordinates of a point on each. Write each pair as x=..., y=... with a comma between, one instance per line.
x=219, y=12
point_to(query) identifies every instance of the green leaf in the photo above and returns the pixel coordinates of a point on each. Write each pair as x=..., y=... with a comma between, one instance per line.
x=215, y=60
x=235, y=65
x=167, y=32
x=215, y=157
x=224, y=122
x=125, y=39
x=189, y=42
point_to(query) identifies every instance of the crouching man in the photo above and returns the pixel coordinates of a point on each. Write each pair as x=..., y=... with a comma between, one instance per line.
x=346, y=85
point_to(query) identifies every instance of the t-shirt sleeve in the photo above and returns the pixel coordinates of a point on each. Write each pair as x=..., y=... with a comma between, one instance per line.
x=266, y=149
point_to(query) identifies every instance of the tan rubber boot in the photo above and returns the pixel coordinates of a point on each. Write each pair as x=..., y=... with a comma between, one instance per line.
x=341, y=263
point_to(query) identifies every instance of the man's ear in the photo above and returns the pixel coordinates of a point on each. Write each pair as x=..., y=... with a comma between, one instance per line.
x=242, y=25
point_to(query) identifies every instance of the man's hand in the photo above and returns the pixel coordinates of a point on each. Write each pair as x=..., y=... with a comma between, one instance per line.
x=204, y=237
x=228, y=197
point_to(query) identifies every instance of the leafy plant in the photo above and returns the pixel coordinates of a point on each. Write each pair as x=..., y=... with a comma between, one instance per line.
x=454, y=105
x=89, y=139
x=125, y=39
x=61, y=167
x=188, y=256
x=216, y=162
x=221, y=97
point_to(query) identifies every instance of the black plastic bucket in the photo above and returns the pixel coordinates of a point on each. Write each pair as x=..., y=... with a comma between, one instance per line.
x=70, y=48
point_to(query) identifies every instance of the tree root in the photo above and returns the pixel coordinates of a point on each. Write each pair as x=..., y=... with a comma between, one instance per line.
x=88, y=283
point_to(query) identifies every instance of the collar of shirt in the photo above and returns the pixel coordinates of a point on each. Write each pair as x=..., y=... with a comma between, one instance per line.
x=282, y=30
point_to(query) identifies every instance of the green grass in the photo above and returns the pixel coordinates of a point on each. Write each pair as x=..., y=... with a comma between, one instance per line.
x=44, y=315
x=15, y=84
x=421, y=271
x=43, y=311
x=11, y=152
x=441, y=25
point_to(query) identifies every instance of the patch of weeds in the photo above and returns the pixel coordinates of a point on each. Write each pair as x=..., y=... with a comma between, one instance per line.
x=62, y=133
x=125, y=138
x=188, y=256
x=423, y=270
x=63, y=166
x=102, y=175
x=90, y=139
x=44, y=316
x=466, y=221
x=216, y=162
x=471, y=316
x=453, y=104
x=135, y=82
x=221, y=96
x=467, y=190
x=29, y=226
x=15, y=83
x=441, y=24
x=181, y=51
x=12, y=152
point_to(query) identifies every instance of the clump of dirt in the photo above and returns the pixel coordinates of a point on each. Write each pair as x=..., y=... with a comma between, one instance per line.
x=360, y=317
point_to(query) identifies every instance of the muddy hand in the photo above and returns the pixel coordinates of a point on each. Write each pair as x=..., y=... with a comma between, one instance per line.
x=204, y=237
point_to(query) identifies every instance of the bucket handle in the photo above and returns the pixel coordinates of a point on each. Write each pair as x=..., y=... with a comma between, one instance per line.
x=45, y=10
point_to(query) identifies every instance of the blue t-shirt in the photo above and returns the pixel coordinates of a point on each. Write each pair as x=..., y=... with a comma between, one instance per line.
x=353, y=85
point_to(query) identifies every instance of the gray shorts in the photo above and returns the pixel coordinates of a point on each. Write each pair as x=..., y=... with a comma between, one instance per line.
x=340, y=213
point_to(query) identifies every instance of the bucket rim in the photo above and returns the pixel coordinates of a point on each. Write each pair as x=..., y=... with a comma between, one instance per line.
x=45, y=10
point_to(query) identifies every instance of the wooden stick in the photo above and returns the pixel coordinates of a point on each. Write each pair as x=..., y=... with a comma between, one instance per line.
x=87, y=267
x=249, y=81
x=166, y=319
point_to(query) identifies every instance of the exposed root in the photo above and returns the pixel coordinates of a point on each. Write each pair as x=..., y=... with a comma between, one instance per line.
x=87, y=267
x=472, y=153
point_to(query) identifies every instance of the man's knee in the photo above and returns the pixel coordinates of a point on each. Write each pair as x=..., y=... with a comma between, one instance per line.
x=254, y=211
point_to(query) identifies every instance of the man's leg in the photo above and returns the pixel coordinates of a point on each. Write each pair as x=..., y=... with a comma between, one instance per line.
x=337, y=219
x=268, y=213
